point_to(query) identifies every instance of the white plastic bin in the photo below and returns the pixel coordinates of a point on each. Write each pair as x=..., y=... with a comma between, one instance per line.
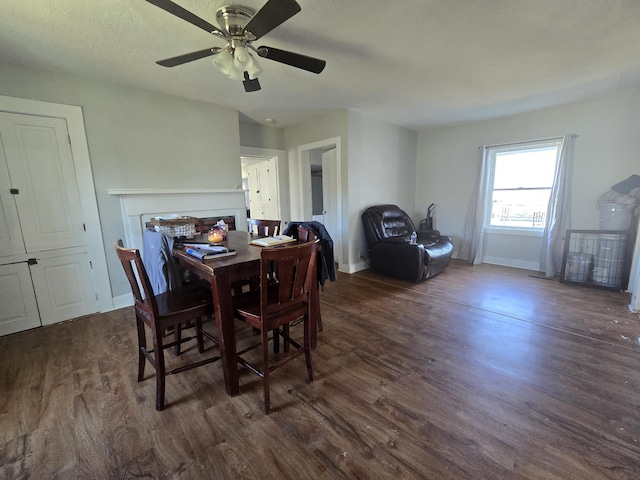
x=610, y=247
x=615, y=216
x=578, y=268
x=608, y=272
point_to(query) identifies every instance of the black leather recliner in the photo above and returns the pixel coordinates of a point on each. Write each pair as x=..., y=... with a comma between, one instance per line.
x=388, y=232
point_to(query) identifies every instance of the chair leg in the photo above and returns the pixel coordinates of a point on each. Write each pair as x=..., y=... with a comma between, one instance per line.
x=315, y=304
x=142, y=345
x=178, y=334
x=160, y=371
x=307, y=347
x=319, y=320
x=285, y=337
x=199, y=335
x=276, y=341
x=265, y=371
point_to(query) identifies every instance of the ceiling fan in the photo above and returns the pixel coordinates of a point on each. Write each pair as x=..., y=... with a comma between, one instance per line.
x=240, y=28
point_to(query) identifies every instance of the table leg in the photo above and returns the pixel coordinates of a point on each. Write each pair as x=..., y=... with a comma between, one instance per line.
x=221, y=289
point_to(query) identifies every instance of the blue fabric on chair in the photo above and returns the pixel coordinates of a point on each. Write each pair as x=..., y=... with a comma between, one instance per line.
x=158, y=261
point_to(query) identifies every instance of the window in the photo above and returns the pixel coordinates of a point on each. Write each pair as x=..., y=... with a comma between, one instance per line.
x=520, y=184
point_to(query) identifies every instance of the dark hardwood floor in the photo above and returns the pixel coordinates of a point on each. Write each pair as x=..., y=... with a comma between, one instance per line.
x=479, y=373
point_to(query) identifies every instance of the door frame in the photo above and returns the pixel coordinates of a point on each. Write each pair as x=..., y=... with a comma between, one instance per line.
x=304, y=184
x=84, y=177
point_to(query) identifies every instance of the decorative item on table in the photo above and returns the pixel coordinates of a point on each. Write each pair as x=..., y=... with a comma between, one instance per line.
x=224, y=228
x=175, y=226
x=215, y=235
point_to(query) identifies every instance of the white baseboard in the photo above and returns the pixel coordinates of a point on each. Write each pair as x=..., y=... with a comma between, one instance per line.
x=354, y=267
x=508, y=262
x=123, y=301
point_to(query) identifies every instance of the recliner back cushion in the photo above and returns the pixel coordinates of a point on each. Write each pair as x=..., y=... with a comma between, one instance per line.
x=387, y=221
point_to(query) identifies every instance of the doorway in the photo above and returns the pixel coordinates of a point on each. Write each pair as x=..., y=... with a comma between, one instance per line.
x=262, y=171
x=325, y=157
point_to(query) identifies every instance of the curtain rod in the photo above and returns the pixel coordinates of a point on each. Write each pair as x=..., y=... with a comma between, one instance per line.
x=574, y=135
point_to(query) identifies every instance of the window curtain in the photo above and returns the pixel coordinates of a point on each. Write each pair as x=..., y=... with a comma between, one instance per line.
x=473, y=235
x=558, y=218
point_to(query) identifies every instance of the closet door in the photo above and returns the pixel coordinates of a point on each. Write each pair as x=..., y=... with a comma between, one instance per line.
x=40, y=164
x=10, y=236
x=43, y=221
x=19, y=310
x=63, y=286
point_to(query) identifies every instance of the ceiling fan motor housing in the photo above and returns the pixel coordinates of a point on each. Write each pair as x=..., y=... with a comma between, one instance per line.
x=232, y=20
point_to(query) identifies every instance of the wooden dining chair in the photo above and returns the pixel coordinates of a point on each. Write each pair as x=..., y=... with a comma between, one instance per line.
x=264, y=228
x=276, y=305
x=174, y=309
x=204, y=224
x=307, y=235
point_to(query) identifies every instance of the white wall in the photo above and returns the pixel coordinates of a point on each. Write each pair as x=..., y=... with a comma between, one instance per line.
x=260, y=136
x=381, y=170
x=378, y=166
x=331, y=125
x=138, y=139
x=607, y=151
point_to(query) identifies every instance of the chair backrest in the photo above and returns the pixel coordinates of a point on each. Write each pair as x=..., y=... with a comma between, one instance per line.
x=386, y=221
x=295, y=270
x=204, y=224
x=267, y=228
x=144, y=298
x=305, y=234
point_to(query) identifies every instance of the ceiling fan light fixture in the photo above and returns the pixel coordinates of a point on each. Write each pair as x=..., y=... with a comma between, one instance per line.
x=241, y=58
x=224, y=62
x=235, y=74
x=254, y=69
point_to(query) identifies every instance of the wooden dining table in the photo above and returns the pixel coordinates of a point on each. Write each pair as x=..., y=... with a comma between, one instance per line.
x=222, y=274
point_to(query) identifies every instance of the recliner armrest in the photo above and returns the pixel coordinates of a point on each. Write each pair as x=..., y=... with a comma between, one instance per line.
x=431, y=235
x=394, y=240
x=399, y=259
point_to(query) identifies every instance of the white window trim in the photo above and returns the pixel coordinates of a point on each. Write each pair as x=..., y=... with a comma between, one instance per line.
x=516, y=231
x=494, y=150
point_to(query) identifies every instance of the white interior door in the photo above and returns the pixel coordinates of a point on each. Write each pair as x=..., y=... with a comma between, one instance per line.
x=40, y=164
x=19, y=309
x=11, y=242
x=63, y=287
x=42, y=212
x=264, y=189
x=330, y=198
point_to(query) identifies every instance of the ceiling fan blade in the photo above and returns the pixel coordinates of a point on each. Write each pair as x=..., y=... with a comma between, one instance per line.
x=186, y=15
x=310, y=64
x=188, y=57
x=272, y=14
x=250, y=85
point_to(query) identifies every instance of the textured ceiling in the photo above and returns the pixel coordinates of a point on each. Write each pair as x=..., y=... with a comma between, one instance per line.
x=416, y=63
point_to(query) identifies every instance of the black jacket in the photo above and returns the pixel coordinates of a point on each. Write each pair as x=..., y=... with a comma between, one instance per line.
x=326, y=262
